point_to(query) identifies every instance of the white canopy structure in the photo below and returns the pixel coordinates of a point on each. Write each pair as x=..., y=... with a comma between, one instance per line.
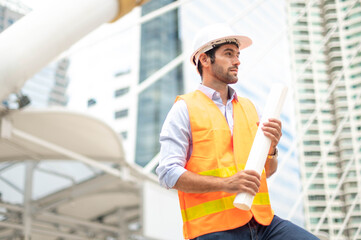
x=90, y=137
x=100, y=207
x=106, y=206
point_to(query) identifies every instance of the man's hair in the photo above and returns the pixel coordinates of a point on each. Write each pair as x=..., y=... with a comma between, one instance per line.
x=212, y=55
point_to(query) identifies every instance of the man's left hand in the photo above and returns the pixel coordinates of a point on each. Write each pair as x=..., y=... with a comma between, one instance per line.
x=273, y=130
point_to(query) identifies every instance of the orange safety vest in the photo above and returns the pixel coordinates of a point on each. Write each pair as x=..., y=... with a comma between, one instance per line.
x=215, y=153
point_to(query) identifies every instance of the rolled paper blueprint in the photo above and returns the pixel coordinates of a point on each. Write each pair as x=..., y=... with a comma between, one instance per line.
x=261, y=144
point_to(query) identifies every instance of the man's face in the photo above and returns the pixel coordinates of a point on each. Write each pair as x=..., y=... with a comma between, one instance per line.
x=225, y=67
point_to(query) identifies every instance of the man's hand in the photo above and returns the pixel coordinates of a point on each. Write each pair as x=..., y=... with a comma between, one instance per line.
x=273, y=130
x=247, y=181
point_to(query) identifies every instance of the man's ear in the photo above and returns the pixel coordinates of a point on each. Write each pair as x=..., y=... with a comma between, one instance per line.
x=204, y=59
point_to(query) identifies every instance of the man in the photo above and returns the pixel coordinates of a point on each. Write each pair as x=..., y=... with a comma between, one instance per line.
x=205, y=141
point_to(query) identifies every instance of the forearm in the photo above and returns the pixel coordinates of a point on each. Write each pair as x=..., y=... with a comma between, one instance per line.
x=243, y=181
x=194, y=183
x=272, y=130
x=271, y=162
x=271, y=166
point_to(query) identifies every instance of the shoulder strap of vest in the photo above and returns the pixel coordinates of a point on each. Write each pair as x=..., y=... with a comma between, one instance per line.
x=248, y=107
x=243, y=112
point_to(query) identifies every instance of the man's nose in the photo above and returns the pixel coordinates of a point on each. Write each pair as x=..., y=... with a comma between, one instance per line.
x=237, y=62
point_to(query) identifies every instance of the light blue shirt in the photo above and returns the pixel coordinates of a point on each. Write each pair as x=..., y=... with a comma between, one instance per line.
x=176, y=136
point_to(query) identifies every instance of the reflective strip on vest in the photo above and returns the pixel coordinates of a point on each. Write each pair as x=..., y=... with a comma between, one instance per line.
x=223, y=172
x=219, y=205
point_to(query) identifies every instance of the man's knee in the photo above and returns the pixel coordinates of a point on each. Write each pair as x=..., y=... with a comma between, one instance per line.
x=284, y=229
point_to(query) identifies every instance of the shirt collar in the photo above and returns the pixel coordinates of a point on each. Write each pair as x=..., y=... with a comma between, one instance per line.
x=211, y=93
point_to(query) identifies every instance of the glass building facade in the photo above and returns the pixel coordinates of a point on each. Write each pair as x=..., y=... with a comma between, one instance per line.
x=48, y=87
x=325, y=41
x=160, y=44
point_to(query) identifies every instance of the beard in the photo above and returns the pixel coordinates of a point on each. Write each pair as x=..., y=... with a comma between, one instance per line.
x=224, y=75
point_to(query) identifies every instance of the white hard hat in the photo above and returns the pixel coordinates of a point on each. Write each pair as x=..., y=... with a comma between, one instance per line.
x=212, y=35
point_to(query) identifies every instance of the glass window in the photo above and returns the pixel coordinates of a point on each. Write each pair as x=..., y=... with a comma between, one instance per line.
x=311, y=143
x=317, y=209
x=354, y=15
x=121, y=73
x=352, y=26
x=353, y=35
x=332, y=175
x=311, y=164
x=317, y=186
x=297, y=5
x=306, y=90
x=337, y=220
x=10, y=21
x=307, y=111
x=121, y=114
x=351, y=174
x=314, y=220
x=124, y=134
x=92, y=102
x=312, y=132
x=316, y=197
x=307, y=101
x=355, y=219
x=121, y=92
x=336, y=208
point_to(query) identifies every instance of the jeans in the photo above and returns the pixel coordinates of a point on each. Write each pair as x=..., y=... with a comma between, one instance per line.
x=279, y=229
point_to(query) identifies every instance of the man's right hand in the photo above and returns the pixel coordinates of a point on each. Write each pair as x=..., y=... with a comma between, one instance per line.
x=247, y=181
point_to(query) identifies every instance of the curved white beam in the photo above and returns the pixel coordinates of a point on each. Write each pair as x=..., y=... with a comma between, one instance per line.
x=39, y=37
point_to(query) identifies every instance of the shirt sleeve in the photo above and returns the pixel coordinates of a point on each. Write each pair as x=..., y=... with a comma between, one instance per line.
x=175, y=142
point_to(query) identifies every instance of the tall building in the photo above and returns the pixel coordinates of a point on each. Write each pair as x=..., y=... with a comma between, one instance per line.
x=325, y=41
x=48, y=87
x=10, y=12
x=160, y=44
x=114, y=90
